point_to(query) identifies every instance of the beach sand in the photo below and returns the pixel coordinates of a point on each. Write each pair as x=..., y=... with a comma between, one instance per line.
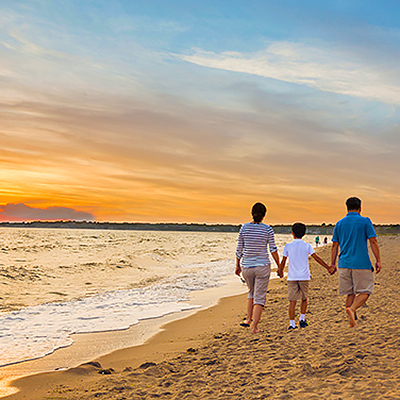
x=209, y=356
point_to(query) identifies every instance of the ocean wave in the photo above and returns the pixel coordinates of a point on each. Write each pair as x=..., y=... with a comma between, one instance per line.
x=34, y=332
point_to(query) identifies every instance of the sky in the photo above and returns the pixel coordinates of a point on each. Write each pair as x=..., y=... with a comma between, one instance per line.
x=184, y=111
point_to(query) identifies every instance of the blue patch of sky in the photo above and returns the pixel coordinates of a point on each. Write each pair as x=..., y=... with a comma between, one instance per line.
x=177, y=26
x=119, y=31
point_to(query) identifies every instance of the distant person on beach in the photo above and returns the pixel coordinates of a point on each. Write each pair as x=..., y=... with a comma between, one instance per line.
x=325, y=240
x=356, y=278
x=252, y=260
x=317, y=240
x=299, y=275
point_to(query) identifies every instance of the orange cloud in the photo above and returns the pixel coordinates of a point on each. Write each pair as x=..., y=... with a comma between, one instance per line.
x=22, y=212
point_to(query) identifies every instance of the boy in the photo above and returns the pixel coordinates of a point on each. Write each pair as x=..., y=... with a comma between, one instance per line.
x=299, y=272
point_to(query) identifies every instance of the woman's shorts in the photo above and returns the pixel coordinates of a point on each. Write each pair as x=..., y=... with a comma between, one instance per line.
x=257, y=279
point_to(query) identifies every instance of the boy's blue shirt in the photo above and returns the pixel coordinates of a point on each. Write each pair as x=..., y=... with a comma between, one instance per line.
x=352, y=233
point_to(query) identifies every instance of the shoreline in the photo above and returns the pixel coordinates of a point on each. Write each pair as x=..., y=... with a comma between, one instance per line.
x=171, y=338
x=95, y=345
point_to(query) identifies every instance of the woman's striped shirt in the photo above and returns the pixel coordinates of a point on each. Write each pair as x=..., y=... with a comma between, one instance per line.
x=254, y=240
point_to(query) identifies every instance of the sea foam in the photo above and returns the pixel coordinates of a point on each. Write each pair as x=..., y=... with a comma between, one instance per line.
x=34, y=332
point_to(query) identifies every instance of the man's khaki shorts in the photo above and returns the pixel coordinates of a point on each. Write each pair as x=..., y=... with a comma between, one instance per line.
x=355, y=281
x=297, y=289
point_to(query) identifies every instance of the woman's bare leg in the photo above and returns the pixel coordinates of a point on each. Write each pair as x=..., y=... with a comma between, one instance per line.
x=257, y=311
x=249, y=311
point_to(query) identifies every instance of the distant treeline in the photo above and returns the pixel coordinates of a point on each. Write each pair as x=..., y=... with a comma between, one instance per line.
x=128, y=226
x=323, y=229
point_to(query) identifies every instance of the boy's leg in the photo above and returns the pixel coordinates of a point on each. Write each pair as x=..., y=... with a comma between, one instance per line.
x=294, y=295
x=292, y=313
x=303, y=306
x=304, y=288
x=292, y=309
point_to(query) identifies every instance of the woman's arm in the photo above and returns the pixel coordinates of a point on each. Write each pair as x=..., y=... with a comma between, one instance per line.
x=238, y=267
x=275, y=256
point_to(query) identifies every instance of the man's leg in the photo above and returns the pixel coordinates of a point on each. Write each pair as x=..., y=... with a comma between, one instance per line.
x=363, y=284
x=350, y=300
x=359, y=300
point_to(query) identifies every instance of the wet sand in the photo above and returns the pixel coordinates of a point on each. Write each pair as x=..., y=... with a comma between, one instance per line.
x=208, y=355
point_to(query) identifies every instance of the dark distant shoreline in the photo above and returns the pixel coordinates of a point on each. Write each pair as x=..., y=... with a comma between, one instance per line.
x=323, y=229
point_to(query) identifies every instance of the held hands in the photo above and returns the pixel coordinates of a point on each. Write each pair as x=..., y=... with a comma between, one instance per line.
x=332, y=269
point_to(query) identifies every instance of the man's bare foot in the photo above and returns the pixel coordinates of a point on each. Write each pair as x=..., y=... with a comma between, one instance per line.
x=256, y=330
x=352, y=317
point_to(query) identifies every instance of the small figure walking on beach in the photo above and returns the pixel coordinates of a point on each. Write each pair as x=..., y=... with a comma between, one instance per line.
x=356, y=278
x=252, y=260
x=317, y=241
x=299, y=275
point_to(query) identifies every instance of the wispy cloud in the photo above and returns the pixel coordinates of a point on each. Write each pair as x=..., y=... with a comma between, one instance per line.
x=322, y=67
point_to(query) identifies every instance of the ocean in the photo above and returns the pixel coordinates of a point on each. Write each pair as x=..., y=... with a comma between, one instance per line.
x=58, y=282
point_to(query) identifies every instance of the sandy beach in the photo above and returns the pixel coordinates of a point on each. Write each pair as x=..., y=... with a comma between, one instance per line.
x=208, y=355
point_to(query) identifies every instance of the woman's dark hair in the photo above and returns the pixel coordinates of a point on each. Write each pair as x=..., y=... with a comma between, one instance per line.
x=258, y=212
x=299, y=230
x=353, y=203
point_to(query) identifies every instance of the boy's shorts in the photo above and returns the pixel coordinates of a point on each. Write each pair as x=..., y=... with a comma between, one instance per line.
x=297, y=289
x=355, y=281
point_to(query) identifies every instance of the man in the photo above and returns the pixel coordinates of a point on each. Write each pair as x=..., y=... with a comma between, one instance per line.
x=356, y=279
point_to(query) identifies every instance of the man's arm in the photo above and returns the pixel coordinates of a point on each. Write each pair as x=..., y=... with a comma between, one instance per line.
x=375, y=250
x=334, y=254
x=320, y=261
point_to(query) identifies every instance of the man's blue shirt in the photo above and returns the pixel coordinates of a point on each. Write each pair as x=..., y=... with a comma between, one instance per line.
x=352, y=233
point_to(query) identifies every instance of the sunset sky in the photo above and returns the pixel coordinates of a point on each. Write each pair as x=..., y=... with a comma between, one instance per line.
x=170, y=111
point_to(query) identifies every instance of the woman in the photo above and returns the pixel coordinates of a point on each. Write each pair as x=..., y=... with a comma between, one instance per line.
x=253, y=262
